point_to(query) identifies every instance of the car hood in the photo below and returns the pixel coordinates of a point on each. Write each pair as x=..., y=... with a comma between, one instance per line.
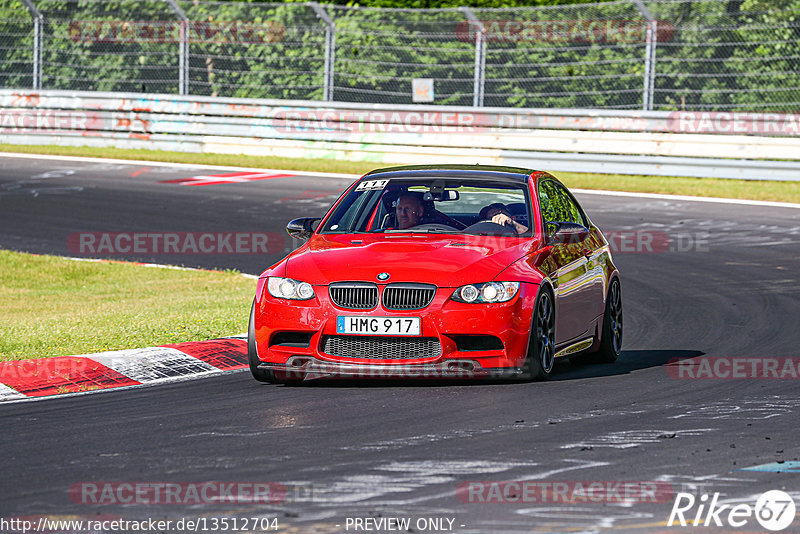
x=446, y=261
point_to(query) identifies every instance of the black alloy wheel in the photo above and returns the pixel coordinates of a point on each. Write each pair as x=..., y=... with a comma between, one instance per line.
x=541, y=350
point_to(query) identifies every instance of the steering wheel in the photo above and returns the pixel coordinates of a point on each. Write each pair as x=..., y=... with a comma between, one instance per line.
x=507, y=226
x=487, y=226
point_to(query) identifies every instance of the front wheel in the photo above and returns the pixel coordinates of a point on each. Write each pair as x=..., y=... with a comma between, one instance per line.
x=541, y=349
x=262, y=375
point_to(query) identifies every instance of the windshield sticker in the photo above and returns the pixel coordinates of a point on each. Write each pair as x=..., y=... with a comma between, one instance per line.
x=371, y=184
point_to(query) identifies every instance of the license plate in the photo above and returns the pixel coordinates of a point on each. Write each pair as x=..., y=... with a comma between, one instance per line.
x=378, y=326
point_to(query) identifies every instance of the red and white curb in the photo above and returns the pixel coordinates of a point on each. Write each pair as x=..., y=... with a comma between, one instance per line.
x=70, y=375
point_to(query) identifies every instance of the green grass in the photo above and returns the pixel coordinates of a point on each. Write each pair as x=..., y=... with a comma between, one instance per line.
x=704, y=187
x=710, y=187
x=54, y=306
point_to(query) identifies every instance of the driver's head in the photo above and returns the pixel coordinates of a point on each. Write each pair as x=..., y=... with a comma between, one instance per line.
x=408, y=211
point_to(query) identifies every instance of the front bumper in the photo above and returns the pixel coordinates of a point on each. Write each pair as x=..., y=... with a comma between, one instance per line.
x=443, y=319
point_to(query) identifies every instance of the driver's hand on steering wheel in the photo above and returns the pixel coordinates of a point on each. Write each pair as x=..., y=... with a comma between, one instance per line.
x=503, y=219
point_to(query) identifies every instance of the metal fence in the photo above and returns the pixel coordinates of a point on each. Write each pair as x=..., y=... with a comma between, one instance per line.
x=738, y=55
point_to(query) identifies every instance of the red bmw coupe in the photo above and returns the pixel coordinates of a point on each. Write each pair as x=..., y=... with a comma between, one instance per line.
x=439, y=271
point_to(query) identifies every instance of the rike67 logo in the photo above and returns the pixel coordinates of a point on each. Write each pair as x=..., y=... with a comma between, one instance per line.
x=773, y=510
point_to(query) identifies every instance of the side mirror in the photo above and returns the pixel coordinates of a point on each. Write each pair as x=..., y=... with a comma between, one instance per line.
x=302, y=228
x=565, y=232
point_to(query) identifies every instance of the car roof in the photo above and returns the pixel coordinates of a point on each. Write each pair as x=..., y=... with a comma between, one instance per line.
x=468, y=172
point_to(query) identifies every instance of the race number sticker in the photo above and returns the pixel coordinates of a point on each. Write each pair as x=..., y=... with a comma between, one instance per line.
x=378, y=326
x=368, y=185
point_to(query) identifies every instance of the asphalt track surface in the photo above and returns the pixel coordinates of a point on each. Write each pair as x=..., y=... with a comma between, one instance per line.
x=727, y=287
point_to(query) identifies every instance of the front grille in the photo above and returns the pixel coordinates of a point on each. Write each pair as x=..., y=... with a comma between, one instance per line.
x=408, y=296
x=381, y=348
x=354, y=295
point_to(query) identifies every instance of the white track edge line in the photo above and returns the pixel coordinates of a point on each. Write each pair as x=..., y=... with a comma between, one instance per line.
x=177, y=165
x=719, y=200
x=765, y=203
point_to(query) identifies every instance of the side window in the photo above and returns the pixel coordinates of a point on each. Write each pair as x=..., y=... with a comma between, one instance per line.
x=545, y=202
x=557, y=205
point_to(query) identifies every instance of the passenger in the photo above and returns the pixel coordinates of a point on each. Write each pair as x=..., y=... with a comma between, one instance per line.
x=409, y=211
x=498, y=213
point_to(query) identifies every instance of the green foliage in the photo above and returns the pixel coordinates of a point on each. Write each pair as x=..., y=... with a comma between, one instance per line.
x=730, y=55
x=377, y=56
x=108, y=46
x=572, y=57
x=16, y=45
x=434, y=4
x=710, y=54
x=256, y=50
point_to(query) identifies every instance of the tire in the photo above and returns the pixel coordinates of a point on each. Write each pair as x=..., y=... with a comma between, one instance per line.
x=611, y=340
x=262, y=375
x=541, y=347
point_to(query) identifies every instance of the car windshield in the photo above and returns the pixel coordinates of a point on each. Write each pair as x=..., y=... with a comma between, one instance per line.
x=433, y=205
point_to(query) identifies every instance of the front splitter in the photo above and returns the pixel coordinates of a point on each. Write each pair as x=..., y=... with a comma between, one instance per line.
x=306, y=368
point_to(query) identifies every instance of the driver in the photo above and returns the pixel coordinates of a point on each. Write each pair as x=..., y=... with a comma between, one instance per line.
x=498, y=214
x=408, y=211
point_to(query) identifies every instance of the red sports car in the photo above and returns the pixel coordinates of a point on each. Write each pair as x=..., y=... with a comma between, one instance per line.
x=435, y=272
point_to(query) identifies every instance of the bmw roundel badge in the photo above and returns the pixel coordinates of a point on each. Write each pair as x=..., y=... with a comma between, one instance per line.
x=382, y=277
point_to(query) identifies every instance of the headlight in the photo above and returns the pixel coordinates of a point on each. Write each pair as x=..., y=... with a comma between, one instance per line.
x=286, y=288
x=489, y=292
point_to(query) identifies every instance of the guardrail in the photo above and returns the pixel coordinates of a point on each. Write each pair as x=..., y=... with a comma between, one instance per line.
x=699, y=144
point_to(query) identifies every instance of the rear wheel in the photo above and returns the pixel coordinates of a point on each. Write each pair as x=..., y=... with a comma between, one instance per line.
x=541, y=349
x=611, y=342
